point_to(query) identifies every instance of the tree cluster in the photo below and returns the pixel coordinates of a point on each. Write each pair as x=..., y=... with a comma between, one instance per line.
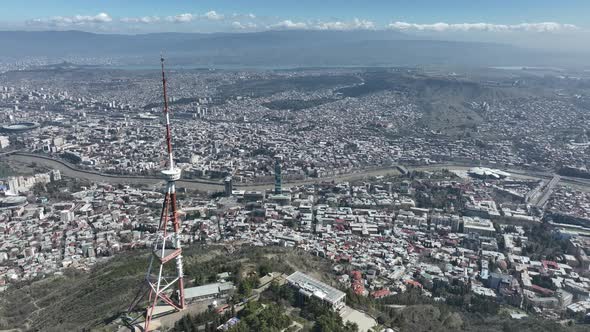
x=207, y=321
x=325, y=319
x=264, y=318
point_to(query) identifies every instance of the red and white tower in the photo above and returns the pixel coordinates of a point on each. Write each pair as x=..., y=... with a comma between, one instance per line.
x=163, y=287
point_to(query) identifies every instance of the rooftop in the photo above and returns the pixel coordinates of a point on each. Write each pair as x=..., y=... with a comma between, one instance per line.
x=207, y=290
x=315, y=287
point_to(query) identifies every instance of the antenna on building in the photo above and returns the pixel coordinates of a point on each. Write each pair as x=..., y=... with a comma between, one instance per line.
x=159, y=286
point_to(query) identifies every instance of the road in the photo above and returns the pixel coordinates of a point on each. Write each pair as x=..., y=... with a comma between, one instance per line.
x=70, y=170
x=542, y=193
x=365, y=322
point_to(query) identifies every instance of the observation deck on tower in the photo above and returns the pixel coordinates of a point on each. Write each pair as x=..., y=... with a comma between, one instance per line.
x=171, y=174
x=167, y=254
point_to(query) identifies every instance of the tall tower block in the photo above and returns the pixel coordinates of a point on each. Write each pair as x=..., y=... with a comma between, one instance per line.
x=278, y=175
x=165, y=286
x=228, y=186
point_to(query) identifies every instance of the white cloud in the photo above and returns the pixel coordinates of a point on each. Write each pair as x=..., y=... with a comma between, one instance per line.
x=355, y=24
x=545, y=26
x=181, y=18
x=288, y=24
x=243, y=16
x=188, y=17
x=99, y=18
x=443, y=27
x=213, y=16
x=144, y=19
x=74, y=20
x=243, y=26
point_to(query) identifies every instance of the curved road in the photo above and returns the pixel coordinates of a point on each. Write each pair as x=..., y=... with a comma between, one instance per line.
x=70, y=170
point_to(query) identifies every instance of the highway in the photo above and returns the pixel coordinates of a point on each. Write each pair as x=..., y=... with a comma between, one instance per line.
x=70, y=170
x=540, y=195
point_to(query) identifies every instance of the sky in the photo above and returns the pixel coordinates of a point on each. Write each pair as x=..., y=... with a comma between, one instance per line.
x=491, y=20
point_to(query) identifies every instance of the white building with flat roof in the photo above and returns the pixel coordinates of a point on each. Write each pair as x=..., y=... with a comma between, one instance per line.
x=4, y=142
x=311, y=287
x=210, y=291
x=483, y=227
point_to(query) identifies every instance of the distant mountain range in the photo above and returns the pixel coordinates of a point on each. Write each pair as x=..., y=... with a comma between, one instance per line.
x=278, y=49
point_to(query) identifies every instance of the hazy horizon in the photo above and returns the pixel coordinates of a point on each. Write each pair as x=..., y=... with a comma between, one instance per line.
x=533, y=24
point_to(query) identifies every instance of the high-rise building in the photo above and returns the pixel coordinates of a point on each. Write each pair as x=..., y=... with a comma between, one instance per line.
x=582, y=138
x=228, y=186
x=278, y=175
x=4, y=142
x=55, y=175
x=13, y=185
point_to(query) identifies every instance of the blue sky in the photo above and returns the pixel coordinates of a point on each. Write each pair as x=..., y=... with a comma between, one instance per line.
x=419, y=16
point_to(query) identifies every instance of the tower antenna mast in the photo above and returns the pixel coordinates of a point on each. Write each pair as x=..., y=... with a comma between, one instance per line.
x=167, y=115
x=165, y=289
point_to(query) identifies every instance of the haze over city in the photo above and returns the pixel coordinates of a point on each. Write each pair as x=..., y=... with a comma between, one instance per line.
x=560, y=24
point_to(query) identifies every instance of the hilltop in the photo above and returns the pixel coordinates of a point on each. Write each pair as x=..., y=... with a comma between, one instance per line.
x=88, y=300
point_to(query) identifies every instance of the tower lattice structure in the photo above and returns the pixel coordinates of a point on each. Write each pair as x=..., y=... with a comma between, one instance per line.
x=165, y=285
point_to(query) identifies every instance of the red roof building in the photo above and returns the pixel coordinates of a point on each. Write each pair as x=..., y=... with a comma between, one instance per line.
x=413, y=283
x=358, y=286
x=380, y=293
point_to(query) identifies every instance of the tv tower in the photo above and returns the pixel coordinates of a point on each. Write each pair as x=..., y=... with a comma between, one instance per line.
x=163, y=288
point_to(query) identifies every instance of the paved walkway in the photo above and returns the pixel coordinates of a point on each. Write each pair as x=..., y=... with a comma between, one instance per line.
x=364, y=321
